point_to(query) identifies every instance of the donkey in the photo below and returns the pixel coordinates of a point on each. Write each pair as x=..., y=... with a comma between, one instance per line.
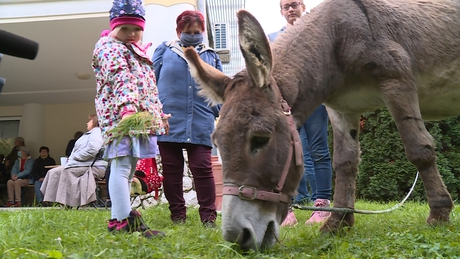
x=354, y=56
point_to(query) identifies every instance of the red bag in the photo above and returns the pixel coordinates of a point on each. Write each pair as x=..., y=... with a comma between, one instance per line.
x=147, y=173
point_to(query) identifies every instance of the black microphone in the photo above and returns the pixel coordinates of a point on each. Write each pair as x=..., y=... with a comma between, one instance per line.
x=17, y=46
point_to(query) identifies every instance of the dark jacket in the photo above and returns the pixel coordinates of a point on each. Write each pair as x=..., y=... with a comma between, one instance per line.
x=12, y=157
x=39, y=170
x=4, y=176
x=69, y=147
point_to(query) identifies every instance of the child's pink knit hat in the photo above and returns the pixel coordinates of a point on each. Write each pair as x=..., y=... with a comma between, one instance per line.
x=127, y=12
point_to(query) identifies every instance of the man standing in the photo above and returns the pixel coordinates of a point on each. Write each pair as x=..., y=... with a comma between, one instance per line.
x=39, y=171
x=314, y=137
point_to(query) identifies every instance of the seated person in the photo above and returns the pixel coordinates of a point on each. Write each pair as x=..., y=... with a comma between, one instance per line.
x=74, y=183
x=13, y=155
x=4, y=177
x=20, y=177
x=39, y=171
x=71, y=144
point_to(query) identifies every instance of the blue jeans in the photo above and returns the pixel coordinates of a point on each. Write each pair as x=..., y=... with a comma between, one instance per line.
x=38, y=193
x=317, y=160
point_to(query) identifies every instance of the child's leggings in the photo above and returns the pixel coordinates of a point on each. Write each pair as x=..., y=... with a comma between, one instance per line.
x=121, y=174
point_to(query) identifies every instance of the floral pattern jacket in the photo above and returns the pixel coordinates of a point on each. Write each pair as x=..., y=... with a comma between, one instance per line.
x=125, y=84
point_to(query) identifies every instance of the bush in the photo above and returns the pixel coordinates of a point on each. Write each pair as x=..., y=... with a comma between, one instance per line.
x=385, y=174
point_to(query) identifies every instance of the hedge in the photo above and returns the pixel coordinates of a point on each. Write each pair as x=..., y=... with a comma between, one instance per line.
x=385, y=174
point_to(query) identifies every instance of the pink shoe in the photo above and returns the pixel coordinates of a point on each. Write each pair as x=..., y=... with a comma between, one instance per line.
x=112, y=225
x=290, y=219
x=319, y=216
x=135, y=223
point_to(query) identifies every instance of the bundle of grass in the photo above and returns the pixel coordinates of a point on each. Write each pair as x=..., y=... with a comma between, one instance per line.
x=138, y=124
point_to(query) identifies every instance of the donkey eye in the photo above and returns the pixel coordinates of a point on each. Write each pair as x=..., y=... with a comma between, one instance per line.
x=258, y=142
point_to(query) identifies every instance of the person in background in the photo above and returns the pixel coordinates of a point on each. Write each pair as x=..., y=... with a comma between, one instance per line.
x=4, y=177
x=71, y=143
x=126, y=87
x=13, y=155
x=20, y=177
x=39, y=171
x=192, y=122
x=74, y=183
x=314, y=137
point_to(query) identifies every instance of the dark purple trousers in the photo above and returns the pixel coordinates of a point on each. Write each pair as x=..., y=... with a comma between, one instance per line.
x=199, y=160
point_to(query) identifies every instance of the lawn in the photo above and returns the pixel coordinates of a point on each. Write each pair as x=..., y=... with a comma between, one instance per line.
x=60, y=233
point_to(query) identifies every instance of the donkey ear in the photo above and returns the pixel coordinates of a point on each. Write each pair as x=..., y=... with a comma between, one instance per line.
x=255, y=48
x=210, y=80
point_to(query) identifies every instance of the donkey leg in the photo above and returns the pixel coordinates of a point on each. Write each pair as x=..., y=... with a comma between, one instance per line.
x=345, y=163
x=419, y=145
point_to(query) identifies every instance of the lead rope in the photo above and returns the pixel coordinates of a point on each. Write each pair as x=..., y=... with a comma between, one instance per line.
x=348, y=210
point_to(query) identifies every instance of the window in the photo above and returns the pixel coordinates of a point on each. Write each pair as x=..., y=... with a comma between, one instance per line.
x=220, y=36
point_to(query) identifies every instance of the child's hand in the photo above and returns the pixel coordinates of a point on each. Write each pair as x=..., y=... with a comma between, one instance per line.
x=165, y=122
x=127, y=115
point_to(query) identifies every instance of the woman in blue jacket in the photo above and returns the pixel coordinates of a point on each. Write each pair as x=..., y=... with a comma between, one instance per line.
x=192, y=120
x=20, y=177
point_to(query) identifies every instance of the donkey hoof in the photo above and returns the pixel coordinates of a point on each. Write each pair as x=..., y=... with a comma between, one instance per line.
x=337, y=222
x=440, y=215
x=438, y=219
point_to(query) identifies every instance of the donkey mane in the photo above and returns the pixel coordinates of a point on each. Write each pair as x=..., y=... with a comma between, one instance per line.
x=238, y=78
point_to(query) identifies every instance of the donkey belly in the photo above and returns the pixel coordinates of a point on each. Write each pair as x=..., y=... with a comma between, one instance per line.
x=439, y=92
x=356, y=98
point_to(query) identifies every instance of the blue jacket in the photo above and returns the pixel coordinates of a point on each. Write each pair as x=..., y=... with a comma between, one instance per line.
x=192, y=119
x=26, y=173
x=272, y=36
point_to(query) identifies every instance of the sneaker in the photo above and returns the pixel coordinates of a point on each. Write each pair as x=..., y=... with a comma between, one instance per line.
x=209, y=224
x=290, y=219
x=112, y=225
x=179, y=221
x=43, y=204
x=135, y=223
x=319, y=216
x=9, y=204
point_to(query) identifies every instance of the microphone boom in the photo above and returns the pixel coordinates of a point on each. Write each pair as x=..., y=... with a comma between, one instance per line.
x=17, y=46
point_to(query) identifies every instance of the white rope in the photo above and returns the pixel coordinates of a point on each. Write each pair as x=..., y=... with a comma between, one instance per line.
x=348, y=210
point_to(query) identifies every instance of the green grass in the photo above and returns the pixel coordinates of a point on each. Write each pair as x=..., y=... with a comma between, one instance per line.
x=59, y=233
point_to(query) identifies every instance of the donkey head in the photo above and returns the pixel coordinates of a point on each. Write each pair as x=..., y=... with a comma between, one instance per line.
x=253, y=137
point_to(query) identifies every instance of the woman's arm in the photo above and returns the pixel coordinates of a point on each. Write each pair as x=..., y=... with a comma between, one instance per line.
x=88, y=151
x=15, y=169
x=27, y=169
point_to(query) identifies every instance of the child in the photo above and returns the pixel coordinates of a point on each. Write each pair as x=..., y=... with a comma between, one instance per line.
x=125, y=86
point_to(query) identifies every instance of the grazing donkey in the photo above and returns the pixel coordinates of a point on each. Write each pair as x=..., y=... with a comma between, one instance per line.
x=354, y=56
